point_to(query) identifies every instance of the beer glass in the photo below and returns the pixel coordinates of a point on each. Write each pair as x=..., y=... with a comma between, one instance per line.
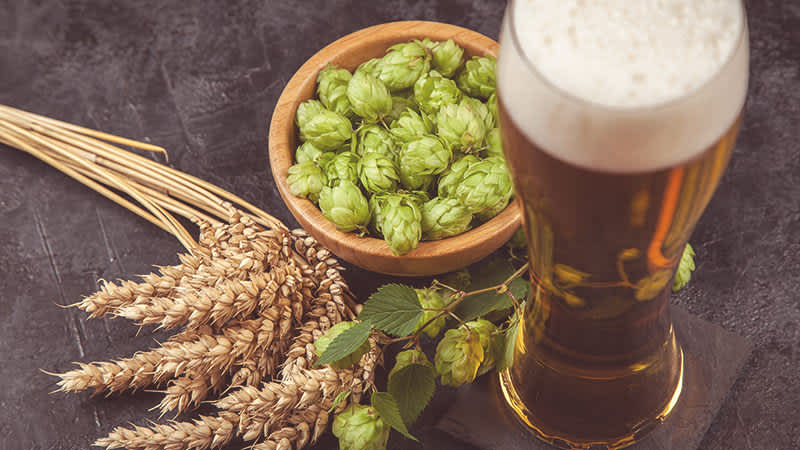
x=618, y=119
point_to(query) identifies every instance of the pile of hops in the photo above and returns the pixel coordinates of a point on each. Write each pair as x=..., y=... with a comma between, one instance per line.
x=406, y=147
x=249, y=304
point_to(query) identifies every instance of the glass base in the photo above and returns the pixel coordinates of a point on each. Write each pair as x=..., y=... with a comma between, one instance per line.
x=540, y=428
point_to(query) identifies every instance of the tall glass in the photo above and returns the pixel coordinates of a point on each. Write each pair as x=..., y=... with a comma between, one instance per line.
x=611, y=193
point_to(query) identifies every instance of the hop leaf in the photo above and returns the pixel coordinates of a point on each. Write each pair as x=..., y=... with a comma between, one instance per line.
x=307, y=153
x=401, y=226
x=411, y=125
x=412, y=384
x=368, y=96
x=452, y=177
x=307, y=110
x=332, y=89
x=343, y=345
x=360, y=427
x=458, y=357
x=478, y=77
x=431, y=301
x=393, y=308
x=378, y=174
x=433, y=91
x=494, y=146
x=326, y=130
x=444, y=217
x=685, y=269
x=306, y=180
x=375, y=139
x=345, y=206
x=422, y=157
x=402, y=65
x=459, y=127
x=387, y=407
x=447, y=56
x=485, y=188
x=342, y=167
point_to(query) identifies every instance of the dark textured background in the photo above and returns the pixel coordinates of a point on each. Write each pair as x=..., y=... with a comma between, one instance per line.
x=201, y=78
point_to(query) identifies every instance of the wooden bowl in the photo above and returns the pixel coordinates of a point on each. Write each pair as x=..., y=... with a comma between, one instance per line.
x=430, y=257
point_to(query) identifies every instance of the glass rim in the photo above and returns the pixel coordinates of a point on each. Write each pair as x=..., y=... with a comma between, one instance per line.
x=743, y=32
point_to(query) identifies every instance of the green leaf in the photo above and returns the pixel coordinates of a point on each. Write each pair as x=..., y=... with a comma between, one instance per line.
x=339, y=399
x=386, y=406
x=510, y=336
x=412, y=388
x=345, y=343
x=685, y=268
x=393, y=308
x=486, y=275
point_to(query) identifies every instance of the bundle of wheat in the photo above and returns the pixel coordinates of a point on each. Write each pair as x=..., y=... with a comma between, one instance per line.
x=249, y=299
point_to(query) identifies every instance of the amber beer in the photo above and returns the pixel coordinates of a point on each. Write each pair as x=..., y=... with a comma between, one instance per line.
x=613, y=181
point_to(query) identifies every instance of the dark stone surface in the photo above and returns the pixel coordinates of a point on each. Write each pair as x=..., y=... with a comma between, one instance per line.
x=201, y=78
x=712, y=359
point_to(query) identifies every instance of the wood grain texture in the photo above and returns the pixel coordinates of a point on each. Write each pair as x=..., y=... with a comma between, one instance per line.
x=429, y=258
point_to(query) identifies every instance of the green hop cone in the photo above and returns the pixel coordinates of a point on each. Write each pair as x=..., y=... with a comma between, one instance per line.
x=343, y=166
x=307, y=152
x=375, y=139
x=327, y=130
x=481, y=110
x=306, y=180
x=458, y=357
x=399, y=104
x=447, y=57
x=345, y=206
x=376, y=205
x=424, y=156
x=478, y=78
x=360, y=427
x=369, y=66
x=485, y=188
x=307, y=110
x=460, y=128
x=486, y=333
x=322, y=343
x=444, y=217
x=402, y=65
x=411, y=125
x=494, y=146
x=685, y=269
x=332, y=89
x=433, y=91
x=492, y=105
x=368, y=97
x=430, y=299
x=418, y=197
x=378, y=174
x=452, y=177
x=408, y=357
x=401, y=224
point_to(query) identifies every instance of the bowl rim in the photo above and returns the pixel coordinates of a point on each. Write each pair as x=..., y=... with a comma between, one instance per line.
x=310, y=217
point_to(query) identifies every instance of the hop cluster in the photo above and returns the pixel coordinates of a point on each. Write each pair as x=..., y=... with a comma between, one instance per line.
x=394, y=139
x=251, y=302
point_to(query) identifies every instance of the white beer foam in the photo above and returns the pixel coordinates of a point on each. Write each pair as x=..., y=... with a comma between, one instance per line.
x=623, y=85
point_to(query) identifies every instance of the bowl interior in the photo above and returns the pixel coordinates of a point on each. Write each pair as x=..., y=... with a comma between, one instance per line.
x=430, y=257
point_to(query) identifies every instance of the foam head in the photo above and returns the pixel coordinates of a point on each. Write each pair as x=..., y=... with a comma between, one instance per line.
x=623, y=85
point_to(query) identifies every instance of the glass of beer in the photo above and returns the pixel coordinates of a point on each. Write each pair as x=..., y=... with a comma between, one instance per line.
x=618, y=118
